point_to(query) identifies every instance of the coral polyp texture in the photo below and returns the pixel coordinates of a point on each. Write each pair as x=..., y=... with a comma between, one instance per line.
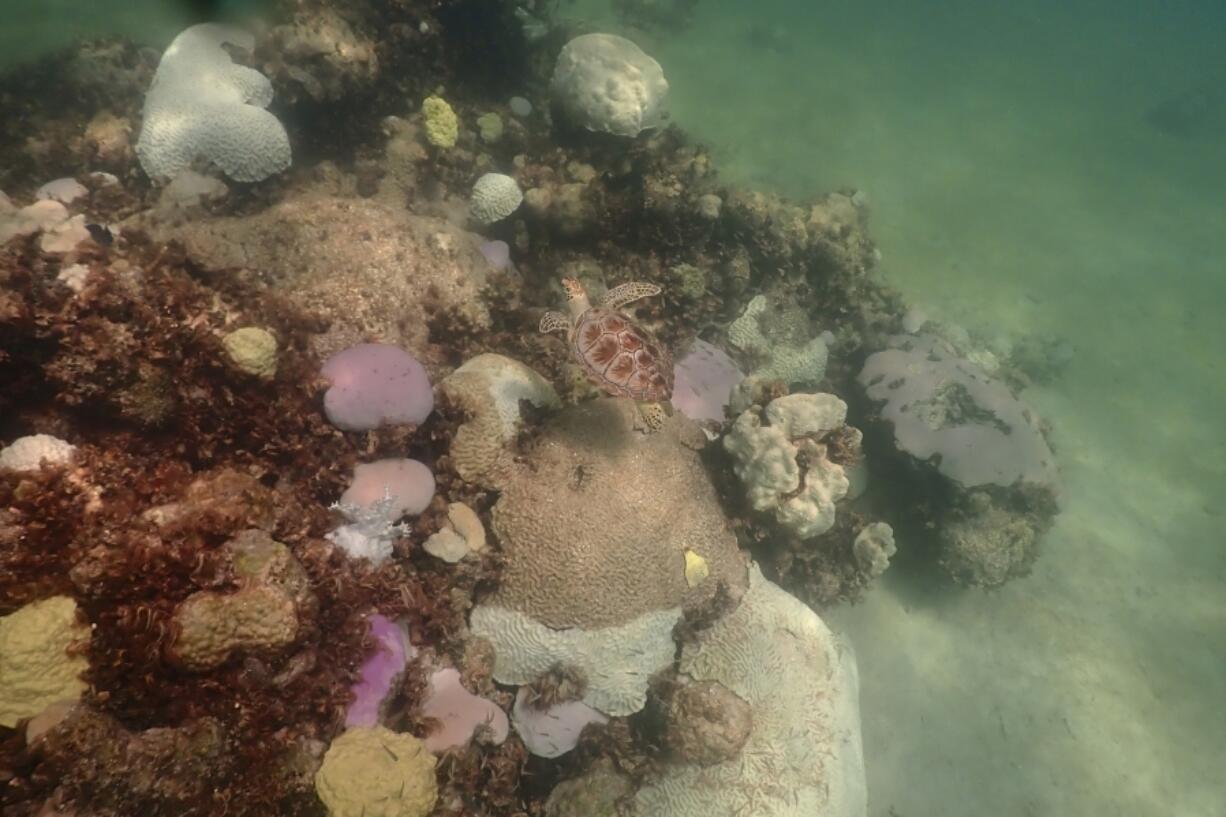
x=607, y=83
x=595, y=525
x=784, y=464
x=802, y=756
x=204, y=105
x=442, y=127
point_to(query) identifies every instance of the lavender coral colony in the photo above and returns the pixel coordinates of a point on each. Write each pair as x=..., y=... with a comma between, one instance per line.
x=301, y=514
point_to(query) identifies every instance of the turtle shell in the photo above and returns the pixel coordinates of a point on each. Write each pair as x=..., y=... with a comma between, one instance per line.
x=622, y=357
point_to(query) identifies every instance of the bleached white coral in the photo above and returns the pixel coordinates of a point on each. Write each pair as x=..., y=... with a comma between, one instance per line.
x=873, y=548
x=618, y=661
x=804, y=363
x=371, y=529
x=804, y=756
x=767, y=461
x=495, y=196
x=28, y=453
x=606, y=83
x=203, y=104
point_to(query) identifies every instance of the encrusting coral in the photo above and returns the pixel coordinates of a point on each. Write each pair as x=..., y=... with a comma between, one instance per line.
x=36, y=668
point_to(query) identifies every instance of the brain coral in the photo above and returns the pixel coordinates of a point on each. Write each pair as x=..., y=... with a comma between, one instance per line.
x=495, y=196
x=803, y=757
x=778, y=340
x=606, y=83
x=947, y=410
x=202, y=104
x=488, y=389
x=375, y=772
x=595, y=526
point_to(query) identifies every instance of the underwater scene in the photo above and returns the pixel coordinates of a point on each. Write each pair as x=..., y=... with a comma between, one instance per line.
x=612, y=408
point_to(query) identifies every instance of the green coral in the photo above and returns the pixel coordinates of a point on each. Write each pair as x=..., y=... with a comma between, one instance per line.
x=35, y=667
x=442, y=127
x=490, y=127
x=253, y=350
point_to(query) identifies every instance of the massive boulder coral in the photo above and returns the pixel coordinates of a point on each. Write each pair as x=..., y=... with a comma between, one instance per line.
x=768, y=460
x=595, y=527
x=270, y=610
x=202, y=104
x=946, y=410
x=948, y=418
x=370, y=270
x=803, y=756
x=606, y=83
x=374, y=772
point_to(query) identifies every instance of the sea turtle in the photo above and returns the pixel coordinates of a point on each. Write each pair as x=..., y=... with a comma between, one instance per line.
x=618, y=354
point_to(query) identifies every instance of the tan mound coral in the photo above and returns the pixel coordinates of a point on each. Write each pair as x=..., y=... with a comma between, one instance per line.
x=370, y=270
x=596, y=527
x=375, y=772
x=488, y=389
x=267, y=612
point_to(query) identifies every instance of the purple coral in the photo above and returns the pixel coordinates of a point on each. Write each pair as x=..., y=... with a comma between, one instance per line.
x=380, y=671
x=704, y=380
x=946, y=409
x=374, y=384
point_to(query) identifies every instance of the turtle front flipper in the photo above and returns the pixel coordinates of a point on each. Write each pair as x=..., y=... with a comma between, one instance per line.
x=555, y=322
x=619, y=296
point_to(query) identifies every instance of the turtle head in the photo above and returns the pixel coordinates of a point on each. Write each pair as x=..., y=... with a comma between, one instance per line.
x=576, y=296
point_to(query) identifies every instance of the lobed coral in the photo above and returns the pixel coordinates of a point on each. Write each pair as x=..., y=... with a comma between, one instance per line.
x=36, y=668
x=374, y=772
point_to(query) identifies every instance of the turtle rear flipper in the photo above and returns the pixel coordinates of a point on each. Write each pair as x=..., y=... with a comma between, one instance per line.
x=619, y=296
x=555, y=322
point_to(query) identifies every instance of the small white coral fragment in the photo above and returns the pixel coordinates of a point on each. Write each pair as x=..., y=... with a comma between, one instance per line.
x=30, y=453
x=873, y=548
x=202, y=104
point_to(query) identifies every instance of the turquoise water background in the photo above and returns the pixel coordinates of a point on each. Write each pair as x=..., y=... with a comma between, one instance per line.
x=1019, y=183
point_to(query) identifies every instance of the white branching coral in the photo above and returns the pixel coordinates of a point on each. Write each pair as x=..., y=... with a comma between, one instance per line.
x=370, y=530
x=768, y=460
x=202, y=104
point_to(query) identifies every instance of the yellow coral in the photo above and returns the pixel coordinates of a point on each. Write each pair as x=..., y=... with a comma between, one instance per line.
x=35, y=667
x=442, y=127
x=375, y=772
x=253, y=350
x=695, y=568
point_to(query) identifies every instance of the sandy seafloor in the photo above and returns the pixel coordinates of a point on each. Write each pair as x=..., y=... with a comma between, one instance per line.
x=1015, y=184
